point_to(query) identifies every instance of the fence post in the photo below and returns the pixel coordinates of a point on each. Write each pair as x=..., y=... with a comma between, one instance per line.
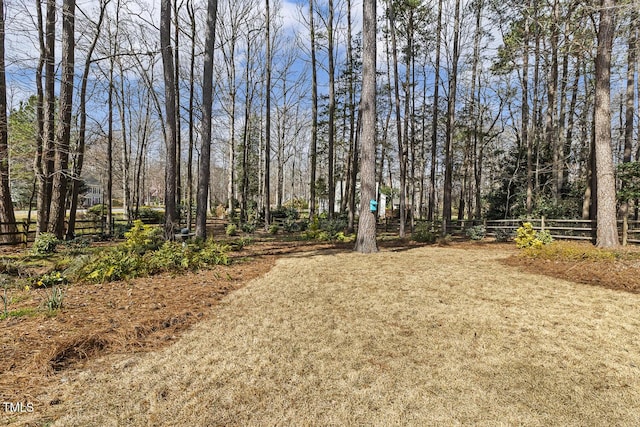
x=542, y=223
x=25, y=232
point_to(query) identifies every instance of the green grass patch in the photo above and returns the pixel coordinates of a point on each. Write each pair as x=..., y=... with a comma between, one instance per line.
x=20, y=312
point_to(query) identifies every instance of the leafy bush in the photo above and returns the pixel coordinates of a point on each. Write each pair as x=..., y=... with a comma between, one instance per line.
x=114, y=264
x=477, y=232
x=324, y=230
x=273, y=229
x=502, y=234
x=333, y=226
x=248, y=227
x=346, y=238
x=544, y=236
x=45, y=244
x=122, y=263
x=150, y=216
x=526, y=237
x=173, y=256
x=571, y=251
x=231, y=230
x=424, y=234
x=285, y=212
x=96, y=212
x=142, y=238
x=292, y=226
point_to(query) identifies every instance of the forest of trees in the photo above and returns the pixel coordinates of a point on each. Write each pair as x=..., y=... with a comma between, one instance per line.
x=480, y=109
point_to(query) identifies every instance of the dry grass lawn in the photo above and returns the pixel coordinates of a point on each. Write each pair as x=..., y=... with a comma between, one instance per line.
x=429, y=336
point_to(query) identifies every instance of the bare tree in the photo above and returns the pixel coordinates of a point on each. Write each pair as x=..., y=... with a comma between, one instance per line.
x=45, y=168
x=607, y=232
x=366, y=240
x=402, y=158
x=431, y=214
x=7, y=217
x=267, y=129
x=170, y=215
x=313, y=156
x=204, y=175
x=451, y=113
x=82, y=131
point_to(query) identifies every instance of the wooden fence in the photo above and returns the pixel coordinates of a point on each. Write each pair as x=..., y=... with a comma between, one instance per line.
x=25, y=232
x=567, y=229
x=564, y=229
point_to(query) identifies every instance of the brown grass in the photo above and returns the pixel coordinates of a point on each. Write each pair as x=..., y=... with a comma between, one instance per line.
x=430, y=336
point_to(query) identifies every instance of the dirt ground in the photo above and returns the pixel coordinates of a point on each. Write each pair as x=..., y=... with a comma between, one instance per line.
x=151, y=313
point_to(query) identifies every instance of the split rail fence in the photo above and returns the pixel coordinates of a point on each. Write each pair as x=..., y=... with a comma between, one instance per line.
x=565, y=229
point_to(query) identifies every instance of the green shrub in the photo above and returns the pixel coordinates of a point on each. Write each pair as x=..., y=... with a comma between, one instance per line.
x=325, y=230
x=333, y=226
x=526, y=237
x=96, y=212
x=120, y=263
x=248, y=227
x=285, y=212
x=115, y=264
x=345, y=238
x=212, y=253
x=424, y=234
x=273, y=229
x=502, y=234
x=231, y=230
x=45, y=244
x=142, y=238
x=173, y=256
x=477, y=232
x=150, y=216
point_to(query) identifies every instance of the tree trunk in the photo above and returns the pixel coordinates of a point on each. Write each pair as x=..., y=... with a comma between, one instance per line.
x=82, y=131
x=7, y=216
x=176, y=63
x=170, y=214
x=192, y=97
x=267, y=140
x=431, y=214
x=607, y=232
x=314, y=116
x=366, y=240
x=44, y=184
x=332, y=114
x=629, y=113
x=204, y=169
x=39, y=168
x=401, y=144
x=553, y=142
x=451, y=114
x=109, y=225
x=526, y=139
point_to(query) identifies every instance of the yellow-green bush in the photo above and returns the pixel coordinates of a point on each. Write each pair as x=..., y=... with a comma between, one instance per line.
x=527, y=237
x=570, y=251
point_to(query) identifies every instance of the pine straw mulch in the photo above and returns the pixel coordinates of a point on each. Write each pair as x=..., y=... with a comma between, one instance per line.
x=147, y=314
x=133, y=316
